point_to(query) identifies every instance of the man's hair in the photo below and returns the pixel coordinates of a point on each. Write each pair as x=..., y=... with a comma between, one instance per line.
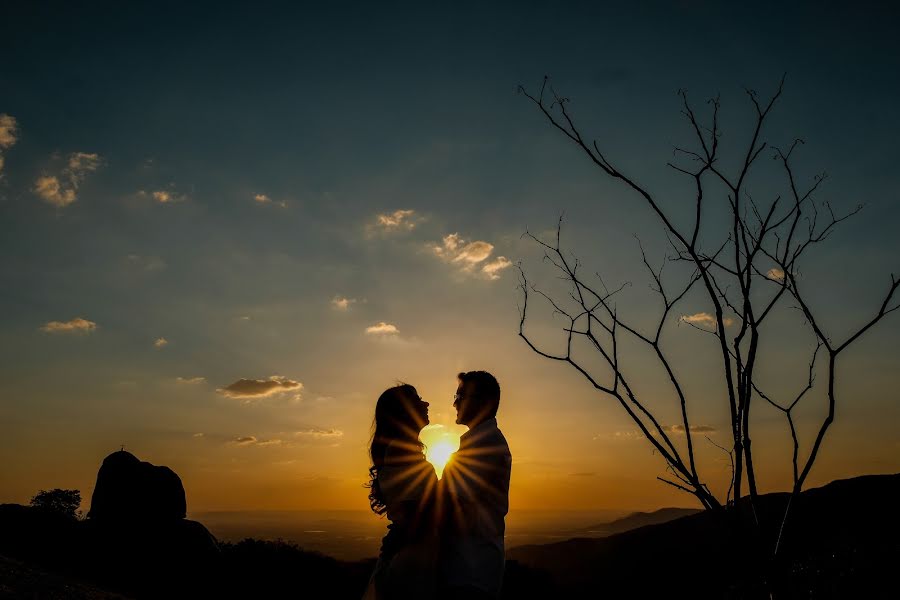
x=485, y=388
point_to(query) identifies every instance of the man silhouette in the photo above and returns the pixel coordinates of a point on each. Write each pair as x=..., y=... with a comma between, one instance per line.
x=476, y=495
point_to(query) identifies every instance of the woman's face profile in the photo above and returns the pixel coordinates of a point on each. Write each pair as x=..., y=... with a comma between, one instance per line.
x=418, y=409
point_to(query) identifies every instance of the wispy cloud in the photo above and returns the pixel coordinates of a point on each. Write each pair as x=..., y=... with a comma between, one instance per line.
x=9, y=131
x=246, y=440
x=62, y=190
x=775, y=274
x=51, y=190
x=636, y=434
x=264, y=199
x=160, y=342
x=342, y=303
x=270, y=442
x=399, y=219
x=382, y=328
x=470, y=257
x=80, y=164
x=251, y=389
x=694, y=428
x=167, y=196
x=76, y=325
x=316, y=432
x=620, y=435
x=704, y=318
x=9, y=135
x=493, y=268
x=386, y=224
x=147, y=263
x=287, y=439
x=190, y=380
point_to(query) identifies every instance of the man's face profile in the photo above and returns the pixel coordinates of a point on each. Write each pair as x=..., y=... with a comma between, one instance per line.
x=462, y=403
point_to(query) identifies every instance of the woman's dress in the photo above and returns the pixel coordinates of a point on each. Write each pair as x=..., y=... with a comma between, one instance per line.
x=407, y=565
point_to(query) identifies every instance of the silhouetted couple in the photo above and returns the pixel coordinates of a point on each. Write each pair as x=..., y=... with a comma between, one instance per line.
x=445, y=540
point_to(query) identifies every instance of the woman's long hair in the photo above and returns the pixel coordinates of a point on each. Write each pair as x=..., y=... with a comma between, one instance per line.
x=395, y=421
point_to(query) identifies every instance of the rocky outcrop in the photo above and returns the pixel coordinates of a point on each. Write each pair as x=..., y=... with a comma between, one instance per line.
x=136, y=538
x=131, y=490
x=136, y=530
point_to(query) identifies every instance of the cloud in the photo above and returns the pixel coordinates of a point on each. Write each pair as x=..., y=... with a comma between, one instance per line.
x=287, y=439
x=318, y=433
x=635, y=434
x=271, y=442
x=264, y=199
x=76, y=325
x=167, y=196
x=342, y=302
x=620, y=435
x=8, y=135
x=62, y=190
x=163, y=196
x=454, y=249
x=247, y=440
x=250, y=389
x=50, y=189
x=470, y=257
x=474, y=252
x=9, y=131
x=448, y=246
x=190, y=380
x=251, y=440
x=80, y=164
x=198, y=435
x=160, y=342
x=775, y=274
x=382, y=328
x=704, y=318
x=493, y=268
x=694, y=428
x=399, y=220
x=148, y=263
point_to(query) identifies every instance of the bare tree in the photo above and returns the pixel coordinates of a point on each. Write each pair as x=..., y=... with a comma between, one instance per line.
x=750, y=268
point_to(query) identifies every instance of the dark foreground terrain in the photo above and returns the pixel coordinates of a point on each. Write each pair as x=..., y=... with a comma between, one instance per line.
x=840, y=542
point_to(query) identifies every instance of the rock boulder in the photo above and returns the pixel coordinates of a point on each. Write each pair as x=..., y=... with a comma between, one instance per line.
x=131, y=490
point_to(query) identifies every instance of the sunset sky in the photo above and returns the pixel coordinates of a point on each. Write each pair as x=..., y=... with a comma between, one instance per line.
x=223, y=232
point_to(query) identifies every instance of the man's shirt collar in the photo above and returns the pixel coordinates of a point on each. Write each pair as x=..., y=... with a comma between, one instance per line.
x=481, y=428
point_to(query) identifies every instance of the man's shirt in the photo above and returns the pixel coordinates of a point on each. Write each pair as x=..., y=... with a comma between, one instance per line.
x=476, y=500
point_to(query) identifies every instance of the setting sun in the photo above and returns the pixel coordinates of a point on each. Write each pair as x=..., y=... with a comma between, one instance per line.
x=440, y=443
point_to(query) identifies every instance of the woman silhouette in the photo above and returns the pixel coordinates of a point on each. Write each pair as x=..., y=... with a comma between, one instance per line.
x=403, y=485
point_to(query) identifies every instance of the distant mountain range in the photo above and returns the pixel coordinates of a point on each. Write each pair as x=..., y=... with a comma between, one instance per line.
x=635, y=520
x=841, y=541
